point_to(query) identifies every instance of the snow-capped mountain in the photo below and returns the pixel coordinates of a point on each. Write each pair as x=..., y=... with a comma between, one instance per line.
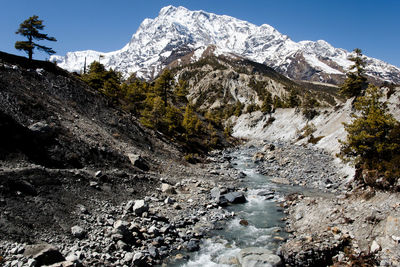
x=178, y=31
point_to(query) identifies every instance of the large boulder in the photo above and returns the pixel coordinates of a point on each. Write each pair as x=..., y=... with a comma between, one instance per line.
x=138, y=161
x=140, y=207
x=193, y=245
x=43, y=254
x=215, y=193
x=122, y=232
x=42, y=129
x=235, y=197
x=253, y=256
x=78, y=231
x=168, y=189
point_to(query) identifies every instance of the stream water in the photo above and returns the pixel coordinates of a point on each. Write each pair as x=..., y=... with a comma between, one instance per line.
x=264, y=217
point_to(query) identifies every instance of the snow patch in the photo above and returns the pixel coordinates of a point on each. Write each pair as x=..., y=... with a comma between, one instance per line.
x=315, y=62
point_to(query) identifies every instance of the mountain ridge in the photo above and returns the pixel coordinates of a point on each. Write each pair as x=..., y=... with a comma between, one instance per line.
x=177, y=31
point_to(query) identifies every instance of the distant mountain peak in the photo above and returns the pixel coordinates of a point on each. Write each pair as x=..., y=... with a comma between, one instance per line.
x=178, y=31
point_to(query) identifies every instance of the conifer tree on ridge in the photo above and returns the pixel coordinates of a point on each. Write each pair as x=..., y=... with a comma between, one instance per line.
x=30, y=29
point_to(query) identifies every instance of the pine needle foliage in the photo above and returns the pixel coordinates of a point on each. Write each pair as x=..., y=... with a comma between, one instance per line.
x=30, y=29
x=356, y=82
x=106, y=81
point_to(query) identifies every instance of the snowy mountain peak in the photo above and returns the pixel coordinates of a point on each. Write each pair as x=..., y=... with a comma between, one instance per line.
x=178, y=31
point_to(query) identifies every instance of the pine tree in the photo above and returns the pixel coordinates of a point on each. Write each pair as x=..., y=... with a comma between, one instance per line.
x=266, y=106
x=173, y=120
x=108, y=82
x=356, y=82
x=181, y=91
x=308, y=106
x=30, y=29
x=293, y=99
x=372, y=136
x=190, y=121
x=153, y=114
x=163, y=85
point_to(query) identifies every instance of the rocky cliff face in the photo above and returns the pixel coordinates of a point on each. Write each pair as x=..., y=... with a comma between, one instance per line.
x=178, y=31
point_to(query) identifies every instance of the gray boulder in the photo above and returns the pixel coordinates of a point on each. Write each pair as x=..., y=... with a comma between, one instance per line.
x=166, y=188
x=235, y=197
x=253, y=256
x=138, y=161
x=78, y=232
x=139, y=259
x=140, y=207
x=43, y=254
x=42, y=128
x=215, y=193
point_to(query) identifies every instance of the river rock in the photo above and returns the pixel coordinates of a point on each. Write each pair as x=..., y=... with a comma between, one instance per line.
x=228, y=260
x=235, y=197
x=128, y=258
x=253, y=256
x=139, y=259
x=78, y=231
x=168, y=189
x=259, y=156
x=265, y=193
x=129, y=205
x=215, y=193
x=138, y=161
x=169, y=200
x=375, y=247
x=153, y=251
x=242, y=175
x=42, y=128
x=244, y=222
x=193, y=245
x=43, y=254
x=140, y=207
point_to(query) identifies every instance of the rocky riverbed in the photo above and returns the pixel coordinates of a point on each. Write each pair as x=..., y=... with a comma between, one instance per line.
x=172, y=217
x=330, y=219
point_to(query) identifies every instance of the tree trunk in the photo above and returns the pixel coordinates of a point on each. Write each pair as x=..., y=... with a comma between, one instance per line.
x=30, y=51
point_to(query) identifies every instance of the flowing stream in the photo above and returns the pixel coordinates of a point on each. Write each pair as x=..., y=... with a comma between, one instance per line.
x=264, y=216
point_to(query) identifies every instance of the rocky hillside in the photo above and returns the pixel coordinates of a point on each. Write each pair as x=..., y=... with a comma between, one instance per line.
x=178, y=31
x=291, y=125
x=229, y=81
x=76, y=172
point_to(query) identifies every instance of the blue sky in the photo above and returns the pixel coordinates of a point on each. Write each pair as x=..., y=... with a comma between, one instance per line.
x=103, y=25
